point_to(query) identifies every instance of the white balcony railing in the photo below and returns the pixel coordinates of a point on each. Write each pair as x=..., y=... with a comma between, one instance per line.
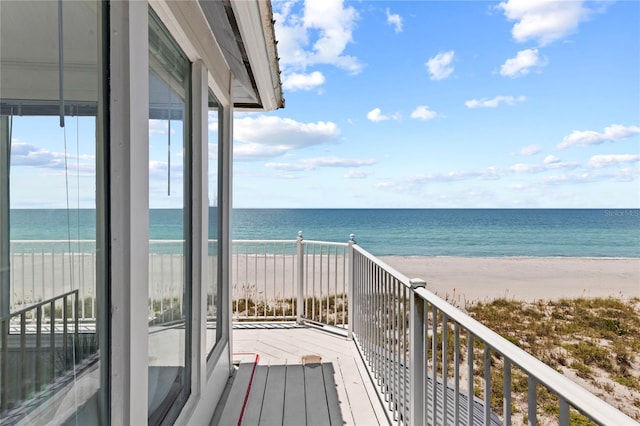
x=431, y=362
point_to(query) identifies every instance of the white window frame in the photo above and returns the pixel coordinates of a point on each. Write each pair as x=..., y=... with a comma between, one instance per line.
x=129, y=191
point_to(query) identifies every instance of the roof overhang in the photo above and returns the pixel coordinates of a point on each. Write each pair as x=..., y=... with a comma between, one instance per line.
x=257, y=35
x=244, y=30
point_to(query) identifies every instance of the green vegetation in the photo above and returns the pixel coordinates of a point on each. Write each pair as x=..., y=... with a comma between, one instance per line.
x=597, y=340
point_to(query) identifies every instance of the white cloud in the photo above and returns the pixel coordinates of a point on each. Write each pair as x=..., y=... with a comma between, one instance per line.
x=550, y=162
x=526, y=168
x=495, y=102
x=29, y=155
x=626, y=174
x=529, y=150
x=314, y=163
x=269, y=136
x=395, y=20
x=489, y=173
x=599, y=161
x=356, y=174
x=423, y=112
x=440, y=65
x=288, y=167
x=301, y=81
x=376, y=116
x=212, y=119
x=590, y=137
x=544, y=21
x=317, y=34
x=159, y=127
x=520, y=65
x=551, y=159
x=621, y=175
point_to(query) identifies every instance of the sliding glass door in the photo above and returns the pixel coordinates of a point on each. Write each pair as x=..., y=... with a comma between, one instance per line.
x=54, y=342
x=169, y=225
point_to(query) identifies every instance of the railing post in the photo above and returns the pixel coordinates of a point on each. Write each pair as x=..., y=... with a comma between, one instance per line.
x=350, y=299
x=300, y=299
x=417, y=353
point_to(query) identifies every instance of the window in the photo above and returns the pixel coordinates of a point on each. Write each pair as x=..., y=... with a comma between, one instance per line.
x=53, y=213
x=169, y=225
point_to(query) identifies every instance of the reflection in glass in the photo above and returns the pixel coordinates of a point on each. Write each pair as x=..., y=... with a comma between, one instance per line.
x=52, y=214
x=169, y=256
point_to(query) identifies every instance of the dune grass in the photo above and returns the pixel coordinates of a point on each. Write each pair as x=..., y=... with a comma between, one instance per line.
x=595, y=341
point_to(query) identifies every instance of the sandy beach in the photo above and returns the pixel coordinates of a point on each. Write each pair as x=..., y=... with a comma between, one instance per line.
x=466, y=280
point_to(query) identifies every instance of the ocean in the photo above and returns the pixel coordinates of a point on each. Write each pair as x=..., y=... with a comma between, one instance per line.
x=395, y=232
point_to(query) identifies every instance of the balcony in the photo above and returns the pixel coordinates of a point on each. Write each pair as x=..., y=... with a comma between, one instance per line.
x=343, y=337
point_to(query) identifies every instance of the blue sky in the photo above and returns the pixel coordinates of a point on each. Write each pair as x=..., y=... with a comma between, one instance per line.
x=403, y=104
x=449, y=104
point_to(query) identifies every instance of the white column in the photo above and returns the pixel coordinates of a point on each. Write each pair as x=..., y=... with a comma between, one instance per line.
x=129, y=209
x=300, y=279
x=417, y=332
x=199, y=225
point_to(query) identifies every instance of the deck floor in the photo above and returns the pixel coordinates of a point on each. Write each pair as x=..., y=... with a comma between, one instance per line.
x=304, y=375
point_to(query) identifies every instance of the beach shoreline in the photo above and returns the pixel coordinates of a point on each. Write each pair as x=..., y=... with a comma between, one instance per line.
x=463, y=280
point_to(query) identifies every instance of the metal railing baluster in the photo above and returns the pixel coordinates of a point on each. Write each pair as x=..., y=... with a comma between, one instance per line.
x=23, y=355
x=506, y=392
x=52, y=340
x=470, y=394
x=456, y=374
x=434, y=362
x=445, y=364
x=65, y=332
x=532, y=396
x=39, y=377
x=486, y=362
x=564, y=412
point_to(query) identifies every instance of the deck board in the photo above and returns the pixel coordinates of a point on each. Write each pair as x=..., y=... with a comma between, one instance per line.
x=333, y=402
x=360, y=398
x=252, y=411
x=315, y=395
x=294, y=398
x=235, y=397
x=273, y=402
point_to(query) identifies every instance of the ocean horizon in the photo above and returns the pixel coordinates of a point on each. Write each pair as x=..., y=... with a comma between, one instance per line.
x=612, y=233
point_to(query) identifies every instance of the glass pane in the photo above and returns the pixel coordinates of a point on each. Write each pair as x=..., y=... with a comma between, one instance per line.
x=214, y=308
x=169, y=262
x=52, y=238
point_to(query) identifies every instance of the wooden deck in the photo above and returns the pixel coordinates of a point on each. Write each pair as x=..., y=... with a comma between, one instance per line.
x=304, y=376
